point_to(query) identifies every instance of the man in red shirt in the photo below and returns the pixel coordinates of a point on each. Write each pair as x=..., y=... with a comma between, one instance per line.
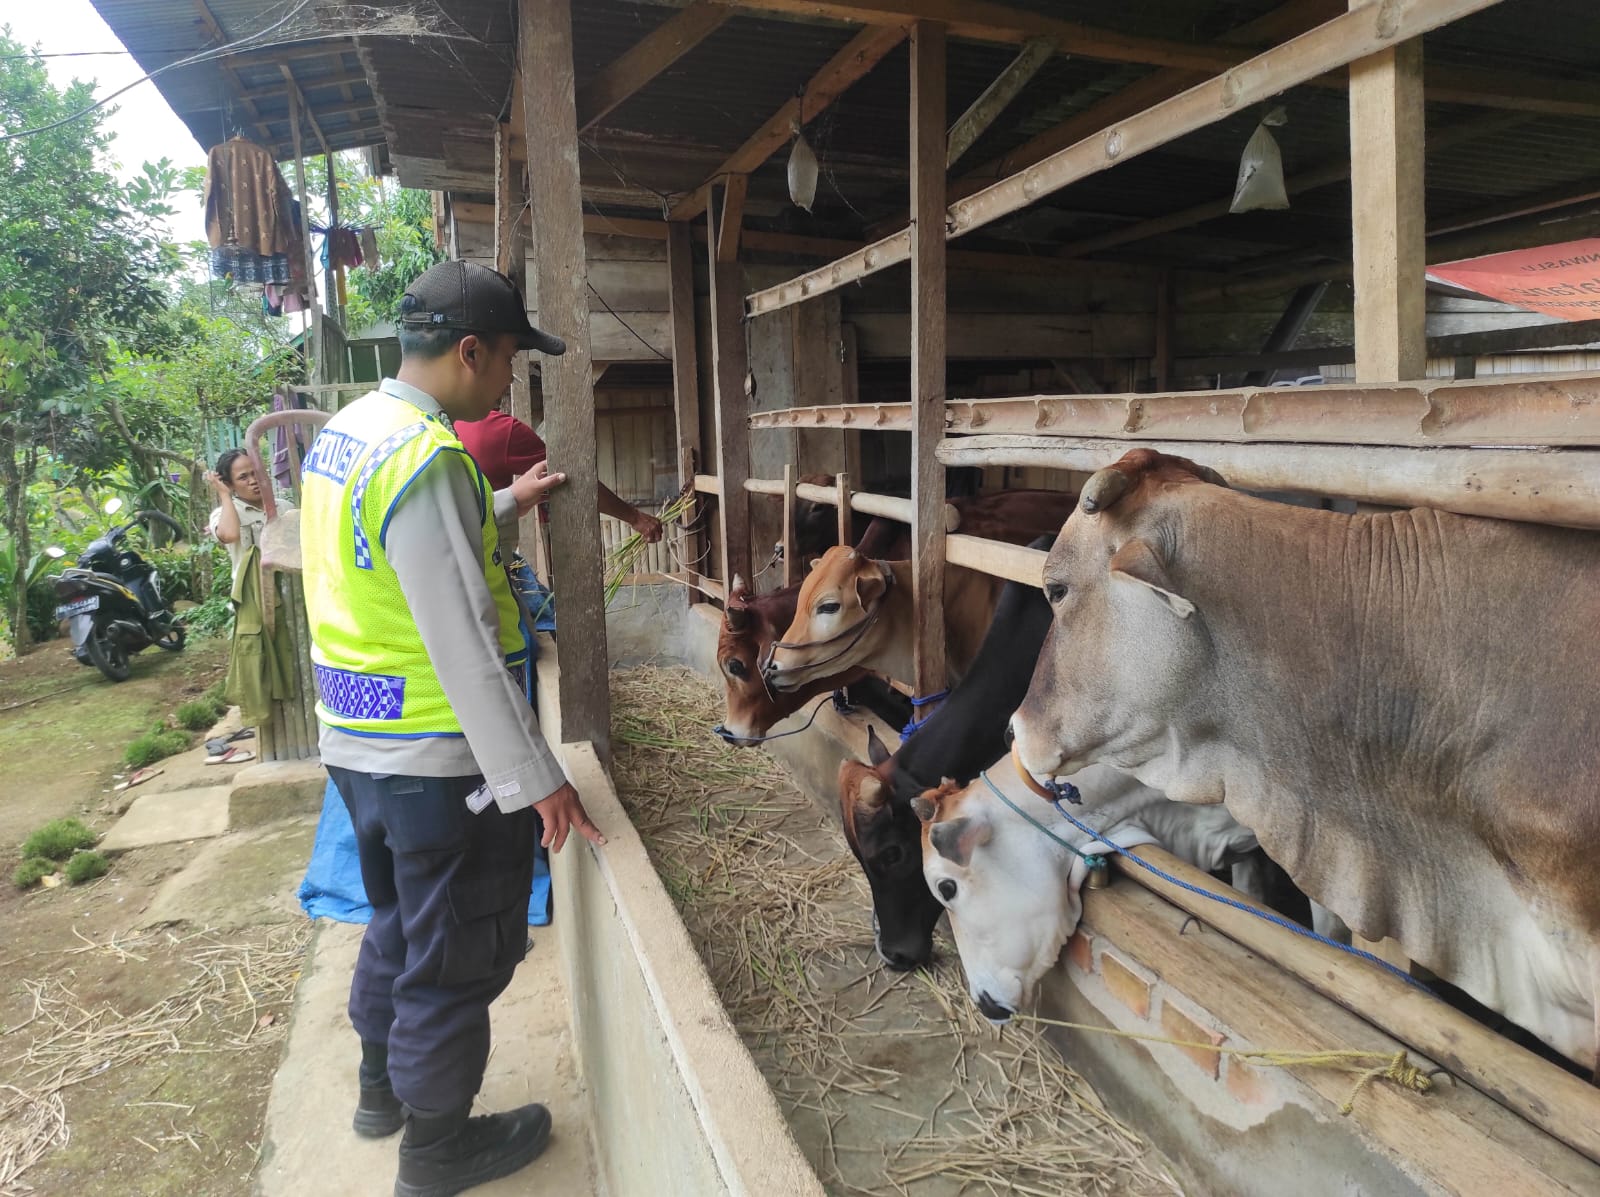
x=504, y=447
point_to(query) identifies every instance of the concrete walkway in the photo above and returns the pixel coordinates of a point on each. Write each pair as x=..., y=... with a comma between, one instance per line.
x=309, y=1147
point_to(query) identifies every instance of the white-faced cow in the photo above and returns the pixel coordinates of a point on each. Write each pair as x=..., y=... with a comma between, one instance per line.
x=1012, y=890
x=1402, y=706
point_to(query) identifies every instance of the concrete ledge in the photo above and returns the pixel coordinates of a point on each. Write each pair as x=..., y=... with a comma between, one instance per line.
x=274, y=790
x=679, y=1106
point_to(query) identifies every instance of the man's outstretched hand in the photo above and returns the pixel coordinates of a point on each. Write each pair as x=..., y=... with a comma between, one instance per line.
x=530, y=489
x=561, y=812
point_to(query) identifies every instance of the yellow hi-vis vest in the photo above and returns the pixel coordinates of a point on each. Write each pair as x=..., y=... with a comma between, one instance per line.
x=373, y=674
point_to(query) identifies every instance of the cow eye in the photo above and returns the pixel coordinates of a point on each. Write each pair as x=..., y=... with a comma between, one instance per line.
x=891, y=856
x=1055, y=592
x=736, y=668
x=947, y=890
x=827, y=608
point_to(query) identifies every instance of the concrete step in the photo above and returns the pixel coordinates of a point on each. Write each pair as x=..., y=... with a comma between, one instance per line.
x=170, y=818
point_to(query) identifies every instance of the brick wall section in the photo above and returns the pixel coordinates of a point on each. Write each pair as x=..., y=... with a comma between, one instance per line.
x=1178, y=1025
x=1080, y=951
x=1126, y=984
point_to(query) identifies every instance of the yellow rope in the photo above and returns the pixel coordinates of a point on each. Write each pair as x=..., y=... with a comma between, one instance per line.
x=1372, y=1066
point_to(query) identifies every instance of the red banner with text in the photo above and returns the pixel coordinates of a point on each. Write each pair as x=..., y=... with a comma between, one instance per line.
x=1554, y=280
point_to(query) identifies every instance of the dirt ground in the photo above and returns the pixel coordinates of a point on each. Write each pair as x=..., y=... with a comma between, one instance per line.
x=149, y=1049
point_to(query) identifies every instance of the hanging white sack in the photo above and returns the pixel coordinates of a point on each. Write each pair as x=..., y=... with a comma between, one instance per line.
x=1260, y=185
x=802, y=172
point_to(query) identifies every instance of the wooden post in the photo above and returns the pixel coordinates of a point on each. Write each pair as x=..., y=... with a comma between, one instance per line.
x=927, y=348
x=316, y=370
x=511, y=260
x=842, y=486
x=685, y=378
x=728, y=370
x=331, y=273
x=1386, y=169
x=788, y=525
x=544, y=45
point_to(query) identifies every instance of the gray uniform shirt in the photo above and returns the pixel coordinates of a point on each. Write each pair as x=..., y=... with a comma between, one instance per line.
x=435, y=544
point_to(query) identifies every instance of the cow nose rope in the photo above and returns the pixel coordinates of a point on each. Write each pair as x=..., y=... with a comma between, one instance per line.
x=1266, y=916
x=854, y=632
x=728, y=737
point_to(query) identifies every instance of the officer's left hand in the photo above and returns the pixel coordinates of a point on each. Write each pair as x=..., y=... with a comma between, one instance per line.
x=531, y=488
x=561, y=812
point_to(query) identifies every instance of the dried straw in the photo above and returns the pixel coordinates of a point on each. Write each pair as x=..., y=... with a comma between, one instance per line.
x=892, y=1083
x=232, y=999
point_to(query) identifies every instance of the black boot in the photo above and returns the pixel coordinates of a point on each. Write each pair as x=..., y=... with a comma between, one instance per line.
x=378, y=1111
x=450, y=1153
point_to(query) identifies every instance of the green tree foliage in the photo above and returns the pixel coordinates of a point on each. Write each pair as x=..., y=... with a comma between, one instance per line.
x=403, y=220
x=79, y=261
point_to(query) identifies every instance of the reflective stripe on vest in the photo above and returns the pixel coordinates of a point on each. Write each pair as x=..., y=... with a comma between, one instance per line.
x=374, y=676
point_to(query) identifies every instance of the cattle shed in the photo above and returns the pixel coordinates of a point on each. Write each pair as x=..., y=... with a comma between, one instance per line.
x=1019, y=262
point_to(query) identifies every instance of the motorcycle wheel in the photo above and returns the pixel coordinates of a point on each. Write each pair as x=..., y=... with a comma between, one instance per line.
x=109, y=657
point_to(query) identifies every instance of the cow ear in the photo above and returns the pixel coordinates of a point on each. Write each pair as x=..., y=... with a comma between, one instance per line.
x=871, y=794
x=1137, y=561
x=924, y=808
x=870, y=585
x=954, y=839
x=876, y=752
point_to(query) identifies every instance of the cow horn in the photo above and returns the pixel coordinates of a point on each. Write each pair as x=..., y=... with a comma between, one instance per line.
x=1210, y=475
x=1028, y=778
x=1104, y=489
x=924, y=808
x=738, y=586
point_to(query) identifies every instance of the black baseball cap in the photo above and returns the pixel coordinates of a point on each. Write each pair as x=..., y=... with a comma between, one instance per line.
x=473, y=298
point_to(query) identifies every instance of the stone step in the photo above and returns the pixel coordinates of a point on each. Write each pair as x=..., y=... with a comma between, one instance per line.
x=169, y=818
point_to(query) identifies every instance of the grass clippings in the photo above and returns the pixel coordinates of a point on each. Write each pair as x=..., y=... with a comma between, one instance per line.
x=229, y=1001
x=58, y=839
x=891, y=1082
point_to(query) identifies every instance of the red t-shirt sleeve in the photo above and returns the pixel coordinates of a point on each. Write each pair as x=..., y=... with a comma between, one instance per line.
x=524, y=449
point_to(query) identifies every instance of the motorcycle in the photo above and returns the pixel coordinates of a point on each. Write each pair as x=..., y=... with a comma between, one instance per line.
x=113, y=598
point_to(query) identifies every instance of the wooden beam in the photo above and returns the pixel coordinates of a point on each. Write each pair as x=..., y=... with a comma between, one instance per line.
x=510, y=241
x=647, y=58
x=685, y=376
x=927, y=349
x=208, y=21
x=731, y=224
x=1335, y=170
x=1161, y=362
x=1533, y=411
x=1544, y=486
x=338, y=79
x=1007, y=86
x=838, y=74
x=317, y=367
x=729, y=365
x=978, y=21
x=1335, y=43
x=555, y=194
x=1386, y=211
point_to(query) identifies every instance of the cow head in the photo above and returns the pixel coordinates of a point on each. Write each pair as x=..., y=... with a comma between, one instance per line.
x=1005, y=886
x=886, y=839
x=832, y=629
x=1126, y=647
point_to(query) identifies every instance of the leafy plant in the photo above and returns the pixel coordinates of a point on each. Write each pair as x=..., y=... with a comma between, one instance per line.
x=58, y=839
x=86, y=866
x=155, y=745
x=197, y=715
x=31, y=871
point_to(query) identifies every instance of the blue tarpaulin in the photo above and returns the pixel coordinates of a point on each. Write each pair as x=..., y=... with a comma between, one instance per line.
x=332, y=887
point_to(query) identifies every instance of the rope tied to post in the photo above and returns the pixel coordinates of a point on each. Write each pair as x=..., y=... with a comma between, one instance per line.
x=913, y=724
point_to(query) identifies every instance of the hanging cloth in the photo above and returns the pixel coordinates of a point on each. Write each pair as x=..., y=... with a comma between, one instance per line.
x=247, y=201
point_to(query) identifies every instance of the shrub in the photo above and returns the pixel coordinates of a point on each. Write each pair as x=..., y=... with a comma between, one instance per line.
x=154, y=746
x=58, y=839
x=214, y=617
x=31, y=870
x=86, y=866
x=197, y=715
x=218, y=700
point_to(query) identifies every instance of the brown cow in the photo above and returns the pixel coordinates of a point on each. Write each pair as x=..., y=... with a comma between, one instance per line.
x=1399, y=705
x=752, y=623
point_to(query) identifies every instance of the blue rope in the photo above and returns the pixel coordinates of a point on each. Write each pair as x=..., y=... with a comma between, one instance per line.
x=1093, y=859
x=911, y=727
x=728, y=737
x=1275, y=919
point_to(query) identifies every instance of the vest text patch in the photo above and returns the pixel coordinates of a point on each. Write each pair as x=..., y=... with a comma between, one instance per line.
x=333, y=455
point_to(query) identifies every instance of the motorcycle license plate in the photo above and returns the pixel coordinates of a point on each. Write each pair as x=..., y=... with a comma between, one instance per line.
x=78, y=607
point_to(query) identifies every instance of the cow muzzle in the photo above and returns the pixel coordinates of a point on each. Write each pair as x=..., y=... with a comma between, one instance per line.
x=995, y=1011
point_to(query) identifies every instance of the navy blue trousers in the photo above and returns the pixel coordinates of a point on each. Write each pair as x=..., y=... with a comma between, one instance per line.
x=449, y=893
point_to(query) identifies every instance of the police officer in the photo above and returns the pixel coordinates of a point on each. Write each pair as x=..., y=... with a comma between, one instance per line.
x=425, y=729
